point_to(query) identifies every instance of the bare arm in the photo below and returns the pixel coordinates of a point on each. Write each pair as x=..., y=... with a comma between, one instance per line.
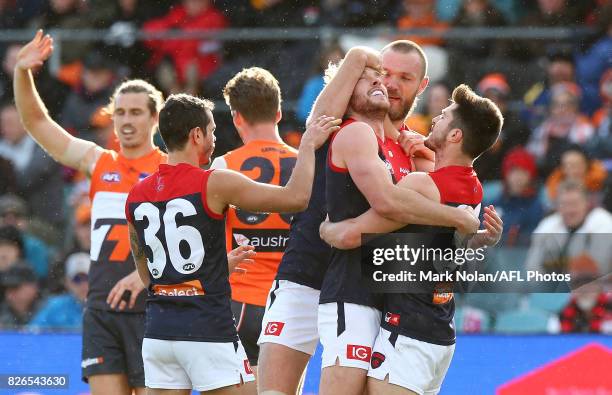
x=347, y=234
x=227, y=187
x=357, y=148
x=335, y=97
x=139, y=257
x=63, y=147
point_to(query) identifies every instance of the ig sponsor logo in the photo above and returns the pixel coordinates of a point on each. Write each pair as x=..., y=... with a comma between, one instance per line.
x=274, y=328
x=360, y=353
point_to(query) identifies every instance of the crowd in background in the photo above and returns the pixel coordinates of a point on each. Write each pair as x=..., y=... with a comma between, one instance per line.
x=547, y=173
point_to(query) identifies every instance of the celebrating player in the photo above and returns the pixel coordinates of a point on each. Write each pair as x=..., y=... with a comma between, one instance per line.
x=177, y=232
x=290, y=334
x=254, y=98
x=415, y=344
x=114, y=318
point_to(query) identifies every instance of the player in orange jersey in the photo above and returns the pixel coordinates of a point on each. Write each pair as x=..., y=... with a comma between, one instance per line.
x=254, y=98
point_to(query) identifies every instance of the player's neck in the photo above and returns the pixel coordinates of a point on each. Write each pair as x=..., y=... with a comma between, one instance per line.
x=261, y=132
x=185, y=156
x=137, y=152
x=446, y=158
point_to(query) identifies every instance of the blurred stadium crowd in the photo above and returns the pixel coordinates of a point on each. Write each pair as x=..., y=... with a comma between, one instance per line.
x=548, y=173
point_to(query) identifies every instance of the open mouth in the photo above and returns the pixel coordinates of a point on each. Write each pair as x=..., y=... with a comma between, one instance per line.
x=377, y=92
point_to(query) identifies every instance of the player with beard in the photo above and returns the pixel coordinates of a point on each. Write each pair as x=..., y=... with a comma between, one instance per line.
x=416, y=340
x=113, y=322
x=289, y=330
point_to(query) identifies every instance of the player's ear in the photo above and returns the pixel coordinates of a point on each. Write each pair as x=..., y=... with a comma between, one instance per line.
x=423, y=85
x=455, y=135
x=237, y=119
x=279, y=116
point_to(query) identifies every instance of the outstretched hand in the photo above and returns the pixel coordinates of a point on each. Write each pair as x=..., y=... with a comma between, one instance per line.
x=36, y=52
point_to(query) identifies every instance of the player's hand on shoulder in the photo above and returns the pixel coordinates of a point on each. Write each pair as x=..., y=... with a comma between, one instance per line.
x=413, y=144
x=34, y=53
x=125, y=292
x=319, y=130
x=242, y=255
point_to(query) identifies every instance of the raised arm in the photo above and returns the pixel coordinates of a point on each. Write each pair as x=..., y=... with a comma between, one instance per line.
x=357, y=147
x=227, y=187
x=63, y=147
x=335, y=97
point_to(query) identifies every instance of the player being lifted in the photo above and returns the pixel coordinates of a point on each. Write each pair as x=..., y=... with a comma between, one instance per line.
x=416, y=342
x=290, y=333
x=254, y=98
x=113, y=321
x=177, y=232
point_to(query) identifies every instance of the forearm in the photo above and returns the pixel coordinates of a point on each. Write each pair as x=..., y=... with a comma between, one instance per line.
x=299, y=186
x=334, y=98
x=413, y=208
x=34, y=115
x=140, y=259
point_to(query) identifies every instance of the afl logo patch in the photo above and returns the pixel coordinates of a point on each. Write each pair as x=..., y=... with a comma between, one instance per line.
x=111, y=177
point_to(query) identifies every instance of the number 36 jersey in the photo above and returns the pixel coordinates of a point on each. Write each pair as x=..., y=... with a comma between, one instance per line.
x=184, y=244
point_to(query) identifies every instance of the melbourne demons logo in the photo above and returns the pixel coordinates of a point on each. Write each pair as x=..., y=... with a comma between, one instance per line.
x=377, y=359
x=360, y=353
x=274, y=328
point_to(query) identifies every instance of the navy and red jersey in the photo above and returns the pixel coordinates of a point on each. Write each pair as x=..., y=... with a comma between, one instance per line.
x=342, y=282
x=429, y=316
x=306, y=256
x=112, y=178
x=184, y=243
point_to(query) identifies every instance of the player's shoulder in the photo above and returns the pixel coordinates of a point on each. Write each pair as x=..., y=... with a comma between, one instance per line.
x=355, y=133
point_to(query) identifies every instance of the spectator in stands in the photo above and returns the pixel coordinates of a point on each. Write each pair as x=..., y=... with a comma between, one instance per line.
x=11, y=248
x=601, y=145
x=332, y=53
x=66, y=14
x=421, y=14
x=560, y=68
x=438, y=95
x=595, y=61
x=65, y=311
x=575, y=229
x=518, y=205
x=8, y=181
x=565, y=125
x=193, y=59
x=495, y=86
x=468, y=57
x=20, y=297
x=14, y=212
x=81, y=244
x=85, y=103
x=39, y=177
x=355, y=13
x=6, y=73
x=590, y=308
x=577, y=166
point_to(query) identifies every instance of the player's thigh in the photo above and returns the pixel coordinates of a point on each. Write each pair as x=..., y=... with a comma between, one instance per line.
x=157, y=391
x=344, y=380
x=378, y=387
x=280, y=368
x=102, y=384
